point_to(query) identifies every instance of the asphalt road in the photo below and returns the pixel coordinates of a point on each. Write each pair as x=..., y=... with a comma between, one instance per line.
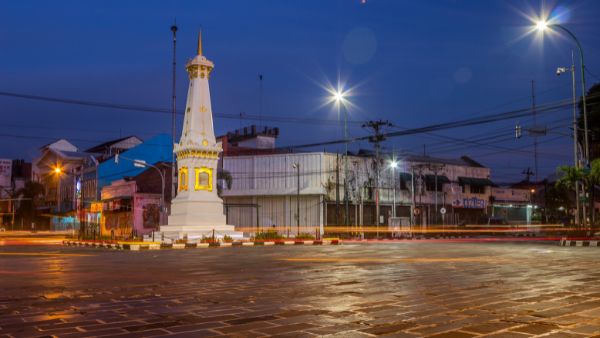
x=352, y=290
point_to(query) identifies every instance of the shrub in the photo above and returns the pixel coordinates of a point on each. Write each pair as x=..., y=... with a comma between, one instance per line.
x=206, y=239
x=227, y=239
x=305, y=235
x=267, y=235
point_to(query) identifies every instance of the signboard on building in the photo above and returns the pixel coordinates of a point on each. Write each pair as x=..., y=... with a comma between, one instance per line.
x=469, y=203
x=150, y=212
x=511, y=195
x=96, y=207
x=5, y=173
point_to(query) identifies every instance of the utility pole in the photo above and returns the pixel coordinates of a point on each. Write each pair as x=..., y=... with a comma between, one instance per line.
x=419, y=168
x=260, y=99
x=528, y=173
x=535, y=142
x=576, y=162
x=173, y=112
x=413, y=200
x=436, y=168
x=376, y=139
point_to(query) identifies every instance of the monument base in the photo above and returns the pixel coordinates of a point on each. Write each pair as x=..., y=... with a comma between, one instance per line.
x=194, y=220
x=195, y=233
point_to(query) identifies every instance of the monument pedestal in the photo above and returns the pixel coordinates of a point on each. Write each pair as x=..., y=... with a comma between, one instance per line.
x=196, y=219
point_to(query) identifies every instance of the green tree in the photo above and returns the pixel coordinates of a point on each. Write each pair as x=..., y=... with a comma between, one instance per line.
x=569, y=176
x=225, y=175
x=589, y=177
x=593, y=112
x=557, y=203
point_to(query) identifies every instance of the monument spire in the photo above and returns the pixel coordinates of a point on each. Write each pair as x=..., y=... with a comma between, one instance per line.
x=200, y=42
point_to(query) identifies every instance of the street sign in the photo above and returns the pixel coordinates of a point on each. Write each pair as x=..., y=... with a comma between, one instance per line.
x=139, y=163
x=443, y=211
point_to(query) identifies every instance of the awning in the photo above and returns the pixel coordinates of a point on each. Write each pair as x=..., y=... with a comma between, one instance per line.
x=477, y=182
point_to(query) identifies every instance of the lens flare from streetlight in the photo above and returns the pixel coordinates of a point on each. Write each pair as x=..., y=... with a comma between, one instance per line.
x=57, y=170
x=394, y=164
x=541, y=25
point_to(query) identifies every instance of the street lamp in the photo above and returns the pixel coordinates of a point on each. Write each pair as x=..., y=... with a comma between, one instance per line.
x=559, y=71
x=542, y=26
x=394, y=165
x=144, y=164
x=297, y=167
x=58, y=171
x=339, y=97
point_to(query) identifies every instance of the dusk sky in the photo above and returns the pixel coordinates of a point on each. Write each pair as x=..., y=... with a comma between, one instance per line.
x=414, y=63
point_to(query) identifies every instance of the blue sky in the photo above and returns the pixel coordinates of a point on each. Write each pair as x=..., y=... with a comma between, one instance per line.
x=414, y=63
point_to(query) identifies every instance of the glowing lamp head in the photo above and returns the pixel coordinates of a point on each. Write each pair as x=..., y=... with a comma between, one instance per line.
x=57, y=170
x=338, y=96
x=541, y=25
x=394, y=164
x=533, y=191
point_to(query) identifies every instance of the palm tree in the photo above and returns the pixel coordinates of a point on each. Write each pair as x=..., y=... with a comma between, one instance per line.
x=569, y=176
x=225, y=175
x=588, y=177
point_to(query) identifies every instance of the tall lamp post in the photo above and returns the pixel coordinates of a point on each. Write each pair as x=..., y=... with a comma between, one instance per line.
x=173, y=110
x=544, y=25
x=559, y=71
x=339, y=98
x=297, y=167
x=394, y=165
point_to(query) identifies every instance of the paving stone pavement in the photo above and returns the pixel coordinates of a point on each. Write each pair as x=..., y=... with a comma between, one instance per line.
x=443, y=290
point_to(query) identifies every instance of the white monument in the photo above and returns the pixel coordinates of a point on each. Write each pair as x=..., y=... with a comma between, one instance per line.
x=197, y=211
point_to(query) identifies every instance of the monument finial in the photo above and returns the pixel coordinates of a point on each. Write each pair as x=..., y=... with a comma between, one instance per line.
x=200, y=42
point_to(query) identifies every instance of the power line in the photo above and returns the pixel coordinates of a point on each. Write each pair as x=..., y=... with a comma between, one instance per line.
x=449, y=125
x=245, y=116
x=492, y=139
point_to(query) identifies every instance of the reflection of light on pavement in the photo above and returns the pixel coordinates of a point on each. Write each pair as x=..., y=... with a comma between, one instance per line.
x=53, y=295
x=43, y=254
x=396, y=260
x=30, y=241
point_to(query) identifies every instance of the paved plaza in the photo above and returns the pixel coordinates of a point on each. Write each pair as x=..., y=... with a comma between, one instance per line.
x=404, y=289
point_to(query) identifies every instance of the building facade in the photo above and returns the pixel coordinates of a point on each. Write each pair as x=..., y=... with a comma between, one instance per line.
x=304, y=192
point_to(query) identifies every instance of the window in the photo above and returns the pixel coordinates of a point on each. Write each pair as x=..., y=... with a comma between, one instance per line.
x=405, y=181
x=430, y=185
x=183, y=179
x=477, y=189
x=203, y=178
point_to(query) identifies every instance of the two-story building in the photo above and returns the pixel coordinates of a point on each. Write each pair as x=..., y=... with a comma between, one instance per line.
x=305, y=191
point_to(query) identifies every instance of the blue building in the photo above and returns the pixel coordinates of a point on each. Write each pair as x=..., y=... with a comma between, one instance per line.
x=97, y=168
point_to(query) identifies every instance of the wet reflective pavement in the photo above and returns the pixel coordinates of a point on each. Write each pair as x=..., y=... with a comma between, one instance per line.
x=352, y=290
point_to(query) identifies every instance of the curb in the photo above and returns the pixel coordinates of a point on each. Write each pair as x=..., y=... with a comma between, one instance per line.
x=137, y=246
x=569, y=242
